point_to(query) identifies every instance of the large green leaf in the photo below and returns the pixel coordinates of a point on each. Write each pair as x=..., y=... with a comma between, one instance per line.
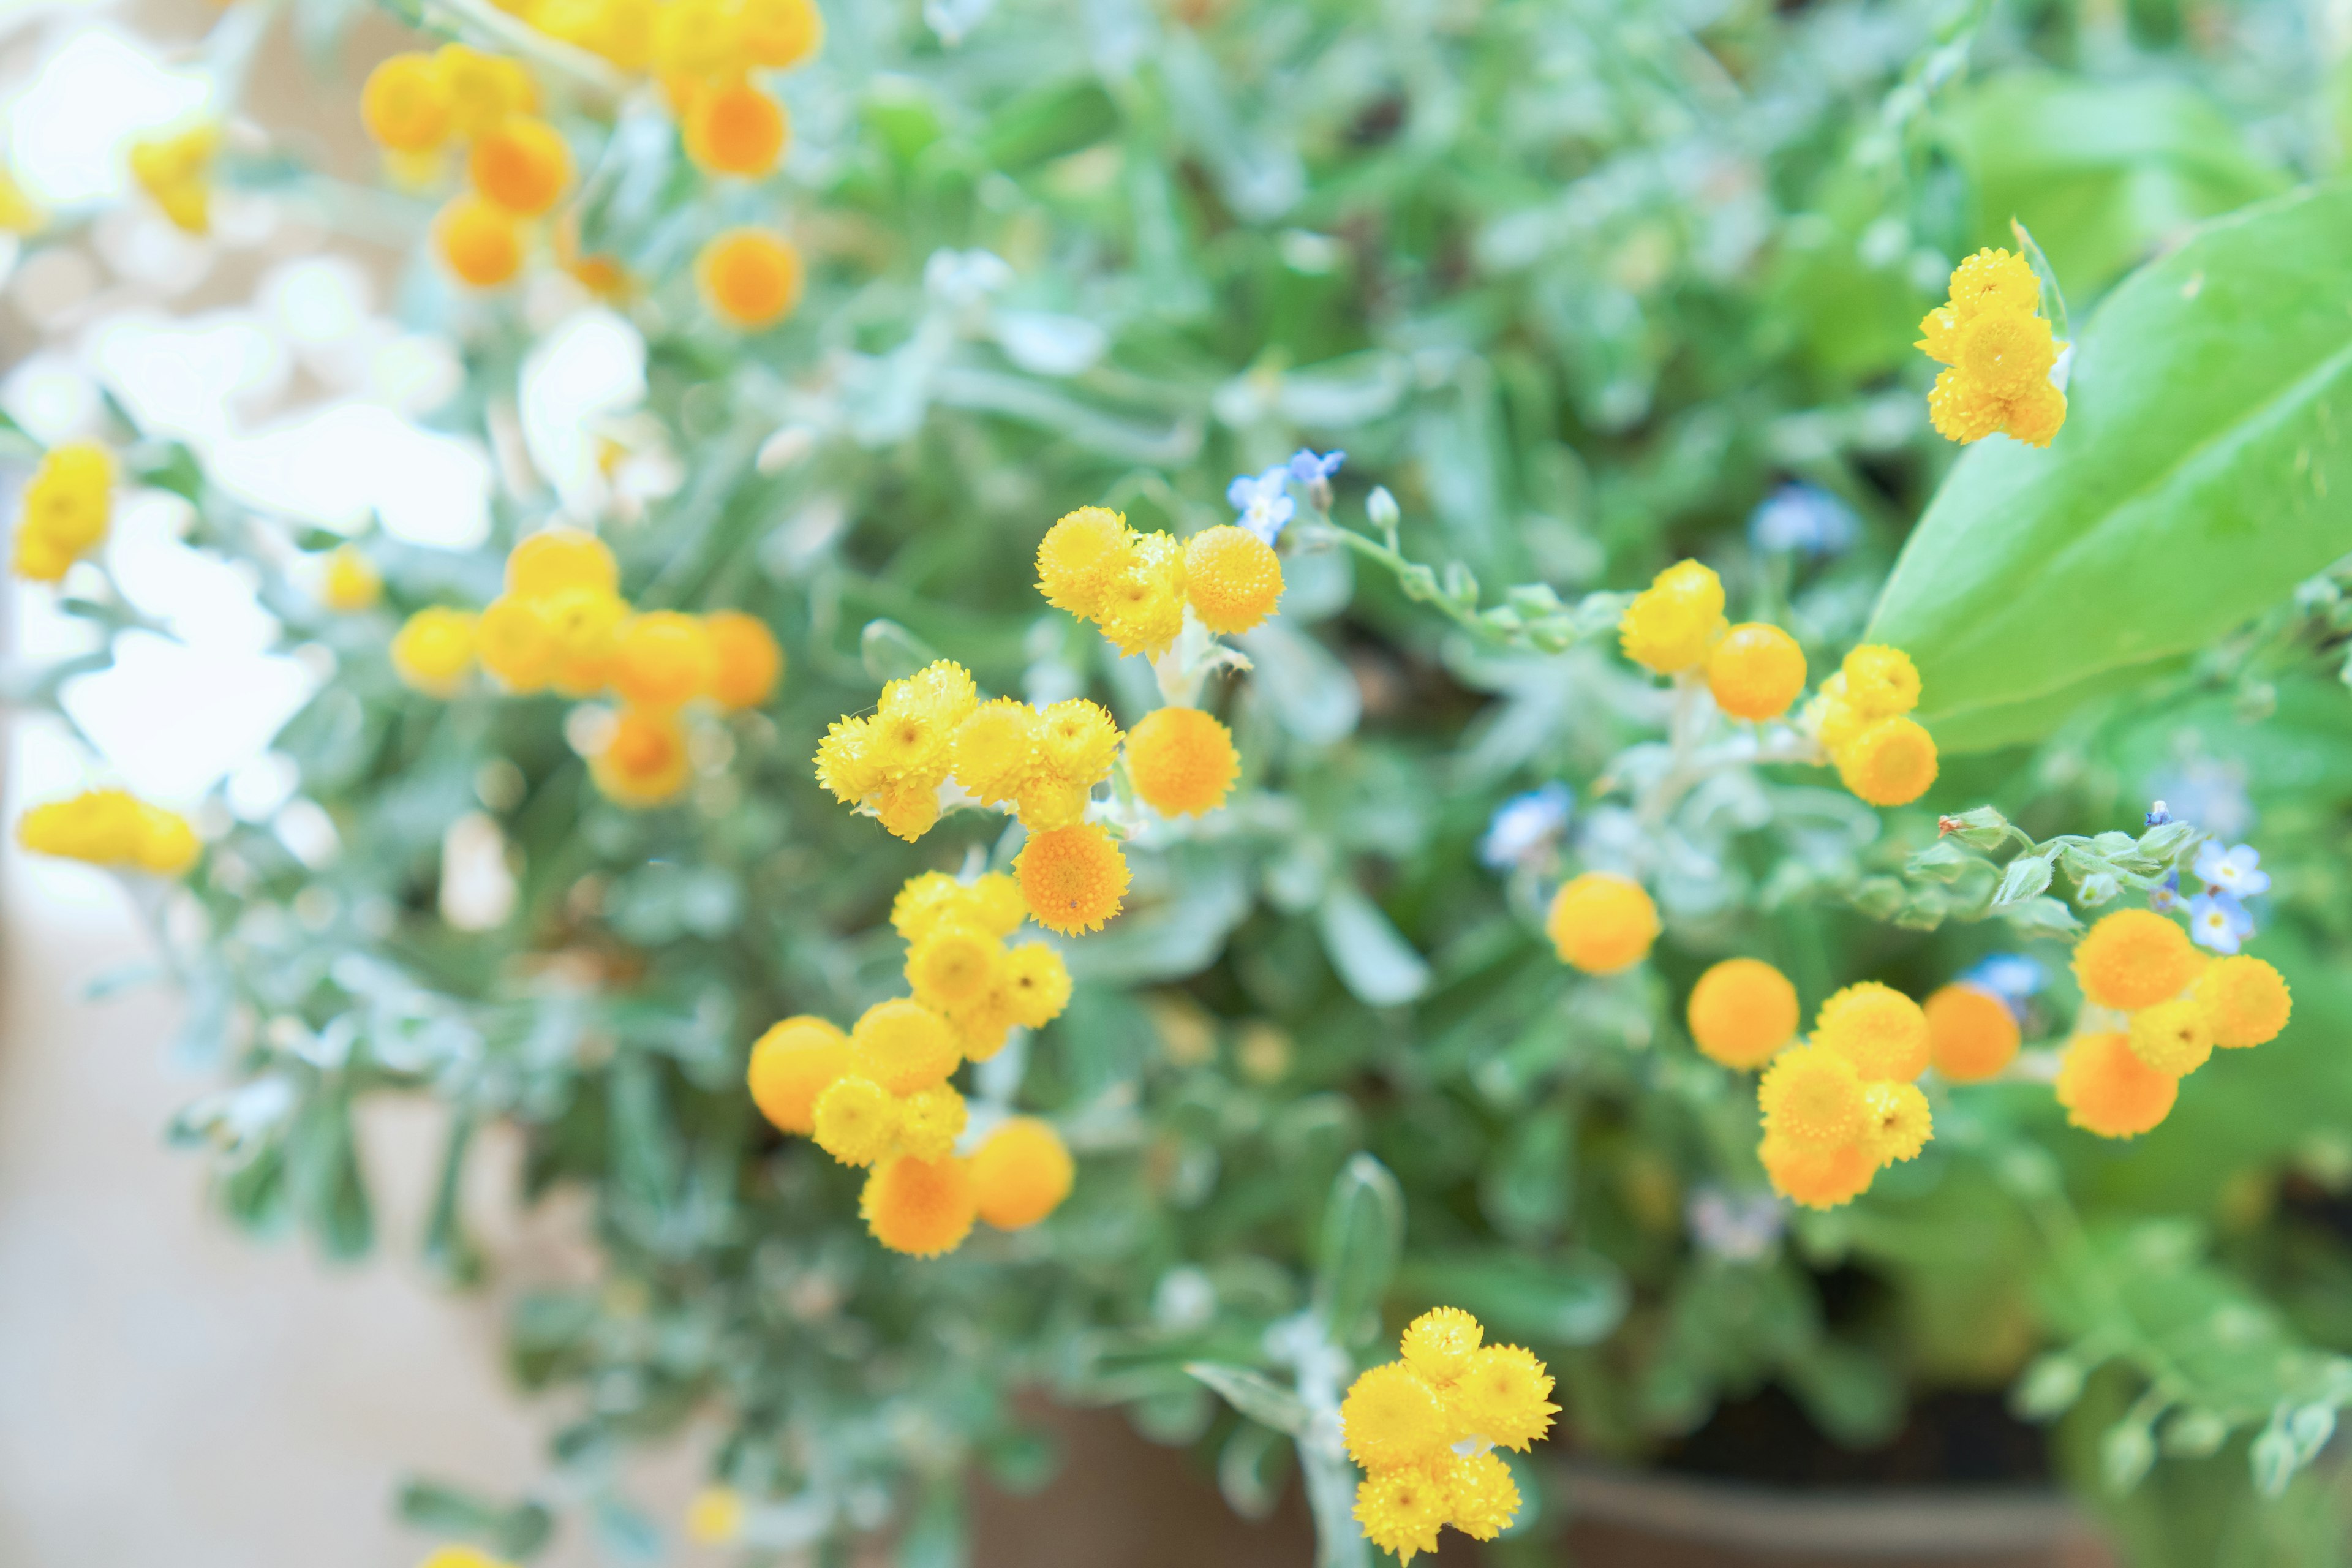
x=2202, y=472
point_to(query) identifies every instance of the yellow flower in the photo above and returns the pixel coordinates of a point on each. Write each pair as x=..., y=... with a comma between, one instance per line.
x=715, y=1516
x=515, y=643
x=20, y=213
x=483, y=90
x=1971, y=1033
x=1393, y=1416
x=855, y=1120
x=696, y=39
x=1673, y=624
x=556, y=559
x=1755, y=671
x=982, y=1025
x=405, y=104
x=730, y=126
x=793, y=1063
x=2173, y=1038
x=351, y=583
x=1022, y=1174
x=433, y=650
x=996, y=750
x=1481, y=1498
x=68, y=504
x=951, y=966
x=176, y=171
x=1037, y=983
x=748, y=661
x=2001, y=353
x=844, y=763
x=1879, y=681
x=2134, y=958
x=662, y=659
x=1080, y=557
x=931, y=1121
x=1505, y=1397
x=463, y=1557
x=2005, y=354
x=112, y=828
x=922, y=1207
x=1890, y=762
x=583, y=627
x=1877, y=1030
x=1400, y=1511
x=1900, y=1123
x=1078, y=742
x=2245, y=1001
x=1143, y=609
x=1074, y=878
x=1232, y=577
x=904, y=1045
x=1742, y=1011
x=780, y=34
x=749, y=278
x=1440, y=1342
x=1812, y=1096
x=1817, y=1177
x=2108, y=1091
x=644, y=762
x=1181, y=761
x=1601, y=922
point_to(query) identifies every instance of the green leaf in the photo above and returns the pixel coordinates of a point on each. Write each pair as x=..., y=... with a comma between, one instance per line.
x=1254, y=1395
x=1363, y=1235
x=2188, y=490
x=1573, y=1298
x=520, y=1529
x=1371, y=954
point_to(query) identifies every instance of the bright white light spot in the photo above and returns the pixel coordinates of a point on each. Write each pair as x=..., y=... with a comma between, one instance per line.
x=589, y=368
x=51, y=397
x=478, y=891
x=317, y=301
x=334, y=467
x=172, y=720
x=183, y=378
x=261, y=785
x=71, y=130
x=143, y=247
x=201, y=597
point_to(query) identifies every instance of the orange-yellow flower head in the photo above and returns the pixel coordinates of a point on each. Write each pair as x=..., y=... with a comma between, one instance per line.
x=1073, y=878
x=2134, y=958
x=1755, y=671
x=1898, y=1124
x=1878, y=1029
x=1481, y=1498
x=1400, y=1511
x=643, y=761
x=477, y=241
x=1440, y=1342
x=1890, y=762
x=2174, y=1038
x=484, y=89
x=1880, y=682
x=995, y=750
x=747, y=660
x=1232, y=577
x=1022, y=1174
x=1972, y=1034
x=112, y=828
x=433, y=649
x=855, y=1120
x=751, y=279
x=904, y=1045
x=1818, y=1178
x=68, y=505
x=1143, y=609
x=1811, y=1096
x=662, y=659
x=1742, y=1011
x=558, y=558
x=523, y=165
x=1672, y=625
x=1080, y=557
x=791, y=1064
x=730, y=126
x=1037, y=982
x=2245, y=1001
x=1181, y=761
x=405, y=104
x=931, y=1121
x=2001, y=353
x=951, y=966
x=920, y=1207
x=2107, y=1089
x=1392, y=1417
x=1504, y=1395
x=780, y=34
x=1601, y=922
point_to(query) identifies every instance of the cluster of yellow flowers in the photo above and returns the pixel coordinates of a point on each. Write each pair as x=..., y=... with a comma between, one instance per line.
x=692, y=47
x=1426, y=1428
x=1756, y=670
x=68, y=504
x=112, y=828
x=1137, y=587
x=176, y=173
x=2176, y=1003
x=562, y=626
x=1999, y=350
x=879, y=1097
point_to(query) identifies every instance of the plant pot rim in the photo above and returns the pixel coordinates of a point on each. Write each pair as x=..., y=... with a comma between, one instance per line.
x=1851, y=1522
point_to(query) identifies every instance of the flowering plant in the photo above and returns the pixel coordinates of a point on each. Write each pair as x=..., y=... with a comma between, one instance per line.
x=971, y=551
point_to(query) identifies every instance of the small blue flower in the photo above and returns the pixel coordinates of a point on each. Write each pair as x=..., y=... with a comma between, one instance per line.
x=2011, y=976
x=2219, y=921
x=2168, y=897
x=2159, y=815
x=1307, y=469
x=1525, y=825
x=1263, y=501
x=1805, y=520
x=2236, y=870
